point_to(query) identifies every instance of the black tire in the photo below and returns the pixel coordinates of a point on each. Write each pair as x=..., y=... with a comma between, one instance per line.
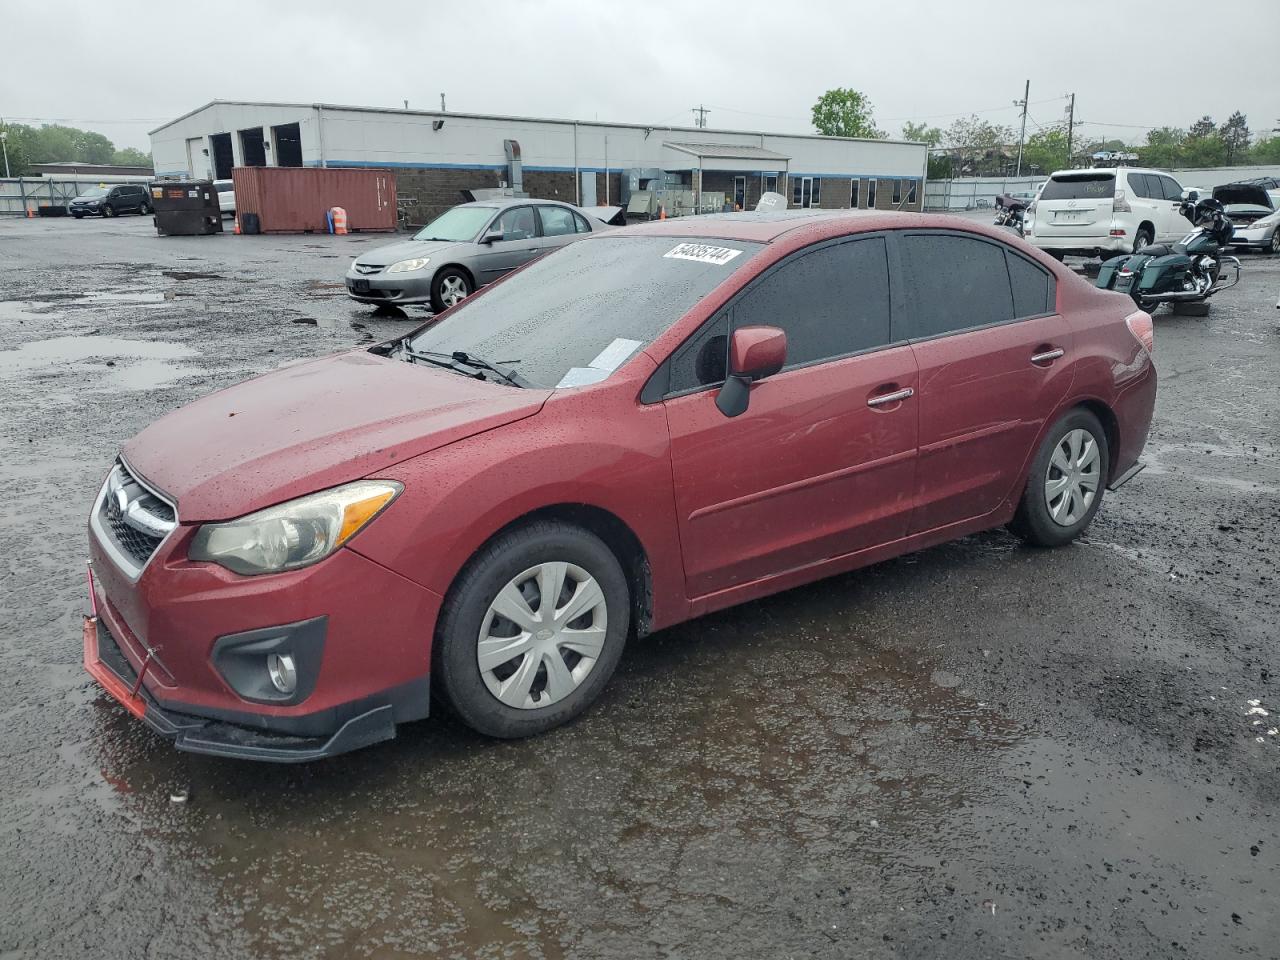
x=1033, y=522
x=455, y=274
x=108, y=210
x=78, y=216
x=1274, y=247
x=1142, y=238
x=454, y=663
x=144, y=210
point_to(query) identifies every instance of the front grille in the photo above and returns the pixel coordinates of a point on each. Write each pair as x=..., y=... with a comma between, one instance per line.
x=131, y=519
x=367, y=268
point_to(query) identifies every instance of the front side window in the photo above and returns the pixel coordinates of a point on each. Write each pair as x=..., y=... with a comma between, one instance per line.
x=459, y=225
x=515, y=224
x=1140, y=184
x=831, y=301
x=556, y=221
x=576, y=314
x=953, y=283
x=1172, y=191
x=702, y=360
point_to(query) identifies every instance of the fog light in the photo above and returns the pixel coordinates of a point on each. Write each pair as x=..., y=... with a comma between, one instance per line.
x=284, y=675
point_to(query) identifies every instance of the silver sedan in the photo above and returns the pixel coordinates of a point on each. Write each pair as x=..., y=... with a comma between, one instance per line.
x=463, y=249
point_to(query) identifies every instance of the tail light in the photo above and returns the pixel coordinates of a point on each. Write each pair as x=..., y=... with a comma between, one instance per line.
x=1121, y=203
x=1143, y=330
x=1031, y=207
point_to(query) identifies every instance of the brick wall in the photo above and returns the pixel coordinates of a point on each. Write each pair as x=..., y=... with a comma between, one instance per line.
x=435, y=191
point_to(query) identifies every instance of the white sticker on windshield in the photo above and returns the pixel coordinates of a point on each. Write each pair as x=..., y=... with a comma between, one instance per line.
x=611, y=357
x=581, y=376
x=702, y=253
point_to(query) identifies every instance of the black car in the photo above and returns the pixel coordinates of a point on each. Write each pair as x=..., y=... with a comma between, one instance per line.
x=112, y=201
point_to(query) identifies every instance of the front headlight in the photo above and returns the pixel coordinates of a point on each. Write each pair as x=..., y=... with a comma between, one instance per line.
x=1264, y=223
x=405, y=266
x=294, y=534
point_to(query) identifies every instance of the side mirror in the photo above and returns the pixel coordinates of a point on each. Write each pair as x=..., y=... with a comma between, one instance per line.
x=754, y=353
x=1192, y=195
x=493, y=236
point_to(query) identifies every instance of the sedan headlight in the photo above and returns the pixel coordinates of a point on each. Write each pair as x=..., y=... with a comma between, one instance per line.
x=406, y=266
x=294, y=534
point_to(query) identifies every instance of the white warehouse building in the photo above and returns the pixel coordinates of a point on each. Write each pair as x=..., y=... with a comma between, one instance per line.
x=437, y=155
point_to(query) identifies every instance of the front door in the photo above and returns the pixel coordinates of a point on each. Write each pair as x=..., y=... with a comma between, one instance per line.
x=820, y=465
x=519, y=244
x=802, y=192
x=995, y=361
x=739, y=193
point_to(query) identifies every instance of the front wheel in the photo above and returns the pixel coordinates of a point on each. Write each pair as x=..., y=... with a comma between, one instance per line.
x=108, y=210
x=1064, y=487
x=532, y=630
x=1273, y=247
x=144, y=210
x=449, y=288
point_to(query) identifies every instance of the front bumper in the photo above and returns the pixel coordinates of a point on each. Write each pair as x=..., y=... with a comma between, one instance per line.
x=85, y=209
x=399, y=289
x=107, y=664
x=1260, y=238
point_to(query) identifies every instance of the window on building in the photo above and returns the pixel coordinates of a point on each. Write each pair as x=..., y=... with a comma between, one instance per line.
x=871, y=193
x=911, y=191
x=771, y=184
x=897, y=192
x=796, y=195
x=817, y=192
x=831, y=301
x=556, y=221
x=853, y=194
x=957, y=283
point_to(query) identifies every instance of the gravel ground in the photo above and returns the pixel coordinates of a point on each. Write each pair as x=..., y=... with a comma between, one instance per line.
x=978, y=751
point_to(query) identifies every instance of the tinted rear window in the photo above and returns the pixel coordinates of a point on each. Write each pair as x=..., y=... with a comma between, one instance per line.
x=953, y=283
x=1092, y=186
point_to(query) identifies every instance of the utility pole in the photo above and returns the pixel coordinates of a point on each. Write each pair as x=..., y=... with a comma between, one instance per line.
x=4, y=143
x=442, y=109
x=1071, y=126
x=1026, y=96
x=700, y=116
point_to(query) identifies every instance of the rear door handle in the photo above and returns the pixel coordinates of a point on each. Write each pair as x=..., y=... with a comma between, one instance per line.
x=903, y=394
x=1047, y=356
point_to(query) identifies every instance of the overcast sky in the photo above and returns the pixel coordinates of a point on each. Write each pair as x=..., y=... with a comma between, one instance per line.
x=756, y=66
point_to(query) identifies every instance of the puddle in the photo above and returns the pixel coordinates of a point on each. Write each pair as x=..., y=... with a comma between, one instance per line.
x=191, y=275
x=130, y=364
x=23, y=310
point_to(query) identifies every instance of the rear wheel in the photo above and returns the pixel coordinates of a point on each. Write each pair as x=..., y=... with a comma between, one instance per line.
x=1064, y=487
x=532, y=630
x=1142, y=238
x=450, y=287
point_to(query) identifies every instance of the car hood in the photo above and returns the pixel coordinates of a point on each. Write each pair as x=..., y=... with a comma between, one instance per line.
x=87, y=199
x=1242, y=193
x=311, y=426
x=408, y=250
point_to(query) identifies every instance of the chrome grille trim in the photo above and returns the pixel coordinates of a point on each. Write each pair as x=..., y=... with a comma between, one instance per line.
x=131, y=520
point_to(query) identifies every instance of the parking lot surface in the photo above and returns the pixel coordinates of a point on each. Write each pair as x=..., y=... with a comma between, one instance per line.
x=978, y=751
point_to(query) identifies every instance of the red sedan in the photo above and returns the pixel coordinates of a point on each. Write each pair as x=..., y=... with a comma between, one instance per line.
x=638, y=429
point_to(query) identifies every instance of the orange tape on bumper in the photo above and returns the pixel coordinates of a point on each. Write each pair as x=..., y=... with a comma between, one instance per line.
x=108, y=680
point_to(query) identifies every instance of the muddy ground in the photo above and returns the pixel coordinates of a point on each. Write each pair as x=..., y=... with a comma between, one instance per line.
x=979, y=751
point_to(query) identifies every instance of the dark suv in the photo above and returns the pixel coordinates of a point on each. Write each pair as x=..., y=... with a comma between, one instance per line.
x=112, y=201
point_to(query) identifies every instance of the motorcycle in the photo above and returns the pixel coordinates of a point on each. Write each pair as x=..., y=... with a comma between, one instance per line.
x=1189, y=271
x=1010, y=213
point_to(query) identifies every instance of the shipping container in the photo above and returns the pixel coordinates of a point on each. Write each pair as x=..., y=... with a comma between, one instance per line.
x=296, y=199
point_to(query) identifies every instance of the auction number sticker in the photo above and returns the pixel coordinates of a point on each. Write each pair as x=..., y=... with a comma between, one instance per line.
x=702, y=253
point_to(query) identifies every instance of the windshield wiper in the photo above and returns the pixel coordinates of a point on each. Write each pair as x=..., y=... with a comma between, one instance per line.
x=451, y=361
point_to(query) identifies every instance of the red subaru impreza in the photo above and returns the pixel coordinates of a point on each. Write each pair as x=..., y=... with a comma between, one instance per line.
x=635, y=430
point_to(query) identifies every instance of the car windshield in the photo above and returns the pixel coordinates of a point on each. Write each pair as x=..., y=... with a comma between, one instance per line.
x=95, y=192
x=461, y=224
x=576, y=315
x=1087, y=186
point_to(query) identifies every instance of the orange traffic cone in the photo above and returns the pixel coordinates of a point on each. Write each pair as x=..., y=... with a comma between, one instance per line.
x=237, y=229
x=339, y=221
x=662, y=212
x=31, y=214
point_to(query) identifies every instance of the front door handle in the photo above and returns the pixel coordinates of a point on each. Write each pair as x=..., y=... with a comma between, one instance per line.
x=1048, y=356
x=903, y=394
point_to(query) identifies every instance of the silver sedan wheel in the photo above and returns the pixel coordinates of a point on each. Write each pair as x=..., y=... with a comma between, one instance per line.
x=542, y=635
x=453, y=290
x=1072, y=480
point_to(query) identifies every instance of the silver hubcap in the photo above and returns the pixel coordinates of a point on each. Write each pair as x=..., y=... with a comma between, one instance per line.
x=453, y=290
x=542, y=635
x=1071, y=482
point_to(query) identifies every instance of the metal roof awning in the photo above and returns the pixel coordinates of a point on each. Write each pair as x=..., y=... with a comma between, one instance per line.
x=722, y=156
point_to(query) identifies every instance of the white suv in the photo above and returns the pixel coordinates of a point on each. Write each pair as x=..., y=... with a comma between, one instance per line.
x=1105, y=211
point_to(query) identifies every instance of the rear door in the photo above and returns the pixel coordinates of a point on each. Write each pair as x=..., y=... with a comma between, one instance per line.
x=1076, y=205
x=994, y=359
x=558, y=226
x=816, y=467
x=519, y=243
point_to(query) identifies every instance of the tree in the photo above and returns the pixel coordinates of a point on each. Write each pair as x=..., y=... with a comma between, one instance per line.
x=922, y=133
x=131, y=157
x=1235, y=137
x=1266, y=150
x=1207, y=151
x=845, y=112
x=1163, y=147
x=1203, y=127
x=1046, y=150
x=977, y=146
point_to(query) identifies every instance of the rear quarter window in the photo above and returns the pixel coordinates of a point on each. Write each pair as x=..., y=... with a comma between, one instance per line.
x=1033, y=287
x=1096, y=186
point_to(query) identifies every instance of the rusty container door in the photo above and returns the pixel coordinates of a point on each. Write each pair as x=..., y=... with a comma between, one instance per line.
x=296, y=199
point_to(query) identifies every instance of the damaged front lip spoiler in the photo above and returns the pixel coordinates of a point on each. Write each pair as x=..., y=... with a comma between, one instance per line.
x=218, y=738
x=1125, y=477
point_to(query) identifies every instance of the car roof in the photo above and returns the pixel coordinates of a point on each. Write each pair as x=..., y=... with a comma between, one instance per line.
x=769, y=227
x=501, y=203
x=1085, y=171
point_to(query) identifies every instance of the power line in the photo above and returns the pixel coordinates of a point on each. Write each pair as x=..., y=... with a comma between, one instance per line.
x=90, y=120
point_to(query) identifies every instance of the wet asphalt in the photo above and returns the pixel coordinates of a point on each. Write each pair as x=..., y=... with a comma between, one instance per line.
x=978, y=751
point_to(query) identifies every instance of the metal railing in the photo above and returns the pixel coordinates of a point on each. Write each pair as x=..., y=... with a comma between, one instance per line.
x=18, y=195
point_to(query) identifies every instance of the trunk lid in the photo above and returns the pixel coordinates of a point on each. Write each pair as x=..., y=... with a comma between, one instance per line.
x=312, y=426
x=1076, y=204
